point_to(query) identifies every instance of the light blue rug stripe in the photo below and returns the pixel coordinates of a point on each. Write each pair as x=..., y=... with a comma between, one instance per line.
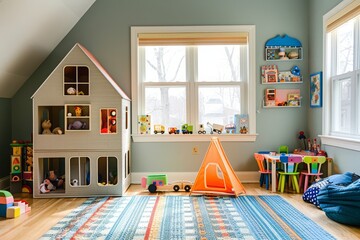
x=128, y=220
x=302, y=225
x=172, y=226
x=258, y=219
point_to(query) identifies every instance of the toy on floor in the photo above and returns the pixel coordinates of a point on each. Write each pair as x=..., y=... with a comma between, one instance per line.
x=46, y=186
x=216, y=176
x=159, y=182
x=10, y=208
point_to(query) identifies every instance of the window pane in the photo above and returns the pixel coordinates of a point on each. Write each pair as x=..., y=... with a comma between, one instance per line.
x=219, y=63
x=166, y=105
x=165, y=64
x=342, y=105
x=345, y=47
x=219, y=104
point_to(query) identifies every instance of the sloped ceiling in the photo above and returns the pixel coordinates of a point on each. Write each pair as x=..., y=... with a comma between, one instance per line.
x=30, y=30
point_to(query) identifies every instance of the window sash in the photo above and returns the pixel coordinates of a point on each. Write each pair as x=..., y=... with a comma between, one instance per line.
x=337, y=109
x=192, y=85
x=249, y=78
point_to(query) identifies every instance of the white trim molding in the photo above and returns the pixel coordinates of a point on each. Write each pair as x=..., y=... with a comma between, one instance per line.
x=194, y=137
x=244, y=177
x=341, y=142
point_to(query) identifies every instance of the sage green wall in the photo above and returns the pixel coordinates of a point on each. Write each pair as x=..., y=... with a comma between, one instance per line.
x=5, y=136
x=344, y=159
x=105, y=31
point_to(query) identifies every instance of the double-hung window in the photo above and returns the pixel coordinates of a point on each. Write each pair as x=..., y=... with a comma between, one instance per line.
x=342, y=76
x=193, y=75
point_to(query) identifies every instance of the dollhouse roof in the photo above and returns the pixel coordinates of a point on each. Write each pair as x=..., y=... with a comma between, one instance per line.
x=99, y=67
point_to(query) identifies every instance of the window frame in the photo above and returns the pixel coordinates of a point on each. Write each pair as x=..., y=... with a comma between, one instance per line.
x=251, y=84
x=329, y=136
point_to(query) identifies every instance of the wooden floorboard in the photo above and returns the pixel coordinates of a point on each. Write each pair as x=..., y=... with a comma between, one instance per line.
x=47, y=212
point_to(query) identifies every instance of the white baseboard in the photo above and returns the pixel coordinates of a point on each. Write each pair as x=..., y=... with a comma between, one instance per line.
x=5, y=183
x=245, y=177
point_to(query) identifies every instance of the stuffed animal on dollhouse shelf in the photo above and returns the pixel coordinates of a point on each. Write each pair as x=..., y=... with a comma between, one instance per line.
x=46, y=186
x=46, y=125
x=57, y=130
x=77, y=125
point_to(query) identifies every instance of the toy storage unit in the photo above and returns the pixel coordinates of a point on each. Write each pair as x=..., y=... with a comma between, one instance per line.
x=21, y=173
x=87, y=140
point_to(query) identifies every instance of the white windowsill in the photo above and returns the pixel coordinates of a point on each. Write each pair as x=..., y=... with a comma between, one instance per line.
x=341, y=142
x=193, y=137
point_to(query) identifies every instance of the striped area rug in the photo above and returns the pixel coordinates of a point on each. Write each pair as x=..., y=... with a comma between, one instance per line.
x=181, y=217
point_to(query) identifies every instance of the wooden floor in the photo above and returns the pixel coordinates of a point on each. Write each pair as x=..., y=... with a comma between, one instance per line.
x=47, y=212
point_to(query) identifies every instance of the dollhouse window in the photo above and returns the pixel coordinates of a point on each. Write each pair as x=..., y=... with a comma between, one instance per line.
x=76, y=80
x=342, y=78
x=107, y=171
x=205, y=66
x=79, y=171
x=108, y=121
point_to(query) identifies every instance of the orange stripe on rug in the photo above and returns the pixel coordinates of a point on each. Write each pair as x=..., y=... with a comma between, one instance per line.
x=79, y=231
x=151, y=220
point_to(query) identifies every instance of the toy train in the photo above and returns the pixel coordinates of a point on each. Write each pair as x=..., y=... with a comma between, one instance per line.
x=159, y=182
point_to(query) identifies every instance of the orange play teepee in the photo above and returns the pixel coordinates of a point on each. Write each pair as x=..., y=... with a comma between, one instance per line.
x=216, y=176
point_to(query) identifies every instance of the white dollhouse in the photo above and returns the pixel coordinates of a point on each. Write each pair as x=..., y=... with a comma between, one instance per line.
x=81, y=124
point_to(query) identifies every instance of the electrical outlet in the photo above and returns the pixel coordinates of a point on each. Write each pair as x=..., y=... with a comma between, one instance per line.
x=195, y=150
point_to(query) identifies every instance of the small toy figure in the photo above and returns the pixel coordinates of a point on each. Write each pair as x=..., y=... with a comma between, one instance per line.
x=71, y=91
x=78, y=111
x=46, y=125
x=303, y=138
x=46, y=186
x=74, y=183
x=58, y=182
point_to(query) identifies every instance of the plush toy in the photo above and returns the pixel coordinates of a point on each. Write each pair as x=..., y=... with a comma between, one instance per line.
x=46, y=186
x=74, y=182
x=57, y=130
x=58, y=182
x=77, y=125
x=46, y=125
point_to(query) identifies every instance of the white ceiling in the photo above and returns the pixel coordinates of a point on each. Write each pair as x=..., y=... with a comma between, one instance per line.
x=30, y=30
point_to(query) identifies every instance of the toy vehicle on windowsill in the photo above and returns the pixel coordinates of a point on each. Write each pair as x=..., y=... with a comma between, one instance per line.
x=173, y=130
x=158, y=128
x=201, y=129
x=187, y=129
x=230, y=128
x=215, y=128
x=159, y=182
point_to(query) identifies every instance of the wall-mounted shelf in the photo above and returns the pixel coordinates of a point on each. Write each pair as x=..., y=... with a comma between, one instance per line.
x=271, y=75
x=77, y=117
x=283, y=98
x=283, y=48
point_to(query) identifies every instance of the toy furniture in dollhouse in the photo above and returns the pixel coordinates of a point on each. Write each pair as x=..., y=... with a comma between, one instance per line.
x=90, y=154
